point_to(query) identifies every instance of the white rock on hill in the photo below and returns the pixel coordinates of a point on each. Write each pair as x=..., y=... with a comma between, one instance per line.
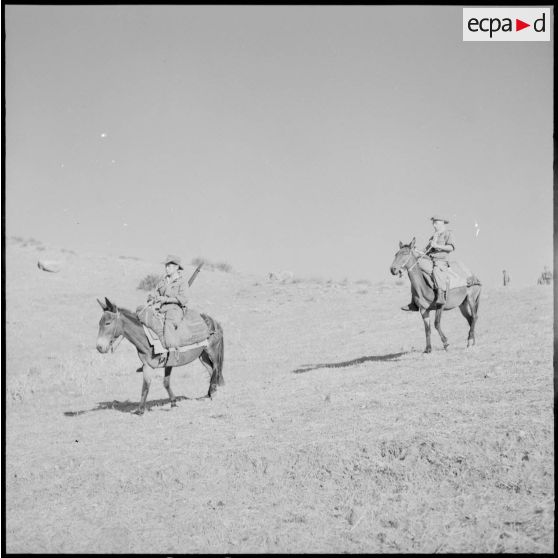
x=53, y=266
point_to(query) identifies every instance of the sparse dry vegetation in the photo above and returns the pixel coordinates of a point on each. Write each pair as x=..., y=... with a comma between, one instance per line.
x=149, y=282
x=212, y=266
x=28, y=242
x=370, y=447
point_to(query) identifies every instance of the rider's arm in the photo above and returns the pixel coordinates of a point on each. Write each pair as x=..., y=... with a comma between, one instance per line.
x=448, y=246
x=445, y=248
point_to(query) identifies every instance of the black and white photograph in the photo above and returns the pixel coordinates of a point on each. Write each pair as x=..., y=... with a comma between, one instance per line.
x=278, y=279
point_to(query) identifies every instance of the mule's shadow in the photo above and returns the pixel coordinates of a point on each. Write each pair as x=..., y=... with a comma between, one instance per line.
x=130, y=406
x=354, y=362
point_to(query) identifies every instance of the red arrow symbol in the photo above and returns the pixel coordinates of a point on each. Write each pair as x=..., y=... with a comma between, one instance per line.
x=519, y=25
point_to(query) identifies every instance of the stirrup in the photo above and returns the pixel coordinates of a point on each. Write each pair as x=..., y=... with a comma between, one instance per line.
x=411, y=307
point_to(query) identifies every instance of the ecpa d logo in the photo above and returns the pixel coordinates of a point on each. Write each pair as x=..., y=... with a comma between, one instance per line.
x=506, y=24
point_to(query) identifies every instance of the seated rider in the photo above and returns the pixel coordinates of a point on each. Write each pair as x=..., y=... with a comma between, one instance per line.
x=438, y=249
x=170, y=293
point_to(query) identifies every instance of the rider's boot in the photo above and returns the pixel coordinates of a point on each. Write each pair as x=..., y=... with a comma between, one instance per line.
x=411, y=307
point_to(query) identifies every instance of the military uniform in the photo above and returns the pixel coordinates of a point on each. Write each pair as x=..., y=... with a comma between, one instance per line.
x=440, y=257
x=174, y=309
x=440, y=264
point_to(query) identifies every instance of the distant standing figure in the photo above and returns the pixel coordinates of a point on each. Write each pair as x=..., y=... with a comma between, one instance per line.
x=506, y=278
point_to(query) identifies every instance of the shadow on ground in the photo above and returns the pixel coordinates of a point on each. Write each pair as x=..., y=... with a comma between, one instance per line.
x=130, y=406
x=354, y=362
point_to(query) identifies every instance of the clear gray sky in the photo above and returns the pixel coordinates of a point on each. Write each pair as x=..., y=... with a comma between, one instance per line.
x=304, y=138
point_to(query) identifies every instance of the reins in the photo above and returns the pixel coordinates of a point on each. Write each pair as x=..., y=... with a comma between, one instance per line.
x=422, y=255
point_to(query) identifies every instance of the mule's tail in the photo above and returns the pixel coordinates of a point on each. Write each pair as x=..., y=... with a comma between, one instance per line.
x=476, y=296
x=216, y=347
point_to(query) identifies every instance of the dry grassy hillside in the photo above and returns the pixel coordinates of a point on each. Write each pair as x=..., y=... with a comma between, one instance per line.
x=333, y=433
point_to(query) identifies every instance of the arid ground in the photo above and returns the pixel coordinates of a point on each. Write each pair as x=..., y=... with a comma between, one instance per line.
x=333, y=433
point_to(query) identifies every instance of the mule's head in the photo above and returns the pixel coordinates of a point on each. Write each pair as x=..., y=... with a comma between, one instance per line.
x=402, y=257
x=109, y=327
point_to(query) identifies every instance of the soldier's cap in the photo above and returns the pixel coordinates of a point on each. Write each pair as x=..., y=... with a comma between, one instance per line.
x=438, y=218
x=173, y=259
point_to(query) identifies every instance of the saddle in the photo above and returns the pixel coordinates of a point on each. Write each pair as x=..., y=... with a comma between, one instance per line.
x=191, y=330
x=456, y=275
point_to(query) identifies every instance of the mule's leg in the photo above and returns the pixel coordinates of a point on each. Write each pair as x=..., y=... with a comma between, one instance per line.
x=472, y=304
x=426, y=320
x=465, y=308
x=166, y=383
x=211, y=369
x=437, y=325
x=147, y=377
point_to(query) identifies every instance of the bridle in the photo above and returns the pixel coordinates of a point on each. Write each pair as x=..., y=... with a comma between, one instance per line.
x=411, y=250
x=115, y=340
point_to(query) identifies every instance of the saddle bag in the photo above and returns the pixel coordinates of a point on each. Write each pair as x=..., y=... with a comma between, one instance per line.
x=191, y=329
x=152, y=319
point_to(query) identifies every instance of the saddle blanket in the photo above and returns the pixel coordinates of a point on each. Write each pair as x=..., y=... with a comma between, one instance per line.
x=158, y=348
x=457, y=274
x=191, y=330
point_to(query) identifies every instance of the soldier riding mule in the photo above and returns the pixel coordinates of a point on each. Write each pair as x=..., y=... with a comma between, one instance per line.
x=423, y=295
x=118, y=323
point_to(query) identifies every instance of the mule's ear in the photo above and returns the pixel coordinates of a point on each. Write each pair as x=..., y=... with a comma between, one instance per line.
x=110, y=306
x=103, y=306
x=400, y=245
x=412, y=242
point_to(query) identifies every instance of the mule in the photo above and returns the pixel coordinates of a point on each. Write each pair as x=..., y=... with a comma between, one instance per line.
x=119, y=323
x=467, y=298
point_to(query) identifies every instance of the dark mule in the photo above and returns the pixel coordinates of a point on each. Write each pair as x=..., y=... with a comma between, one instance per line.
x=467, y=298
x=118, y=323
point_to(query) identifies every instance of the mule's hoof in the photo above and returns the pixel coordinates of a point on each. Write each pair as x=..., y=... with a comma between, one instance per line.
x=139, y=411
x=446, y=347
x=427, y=351
x=173, y=404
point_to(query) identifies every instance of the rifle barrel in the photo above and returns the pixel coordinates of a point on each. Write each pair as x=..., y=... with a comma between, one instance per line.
x=194, y=275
